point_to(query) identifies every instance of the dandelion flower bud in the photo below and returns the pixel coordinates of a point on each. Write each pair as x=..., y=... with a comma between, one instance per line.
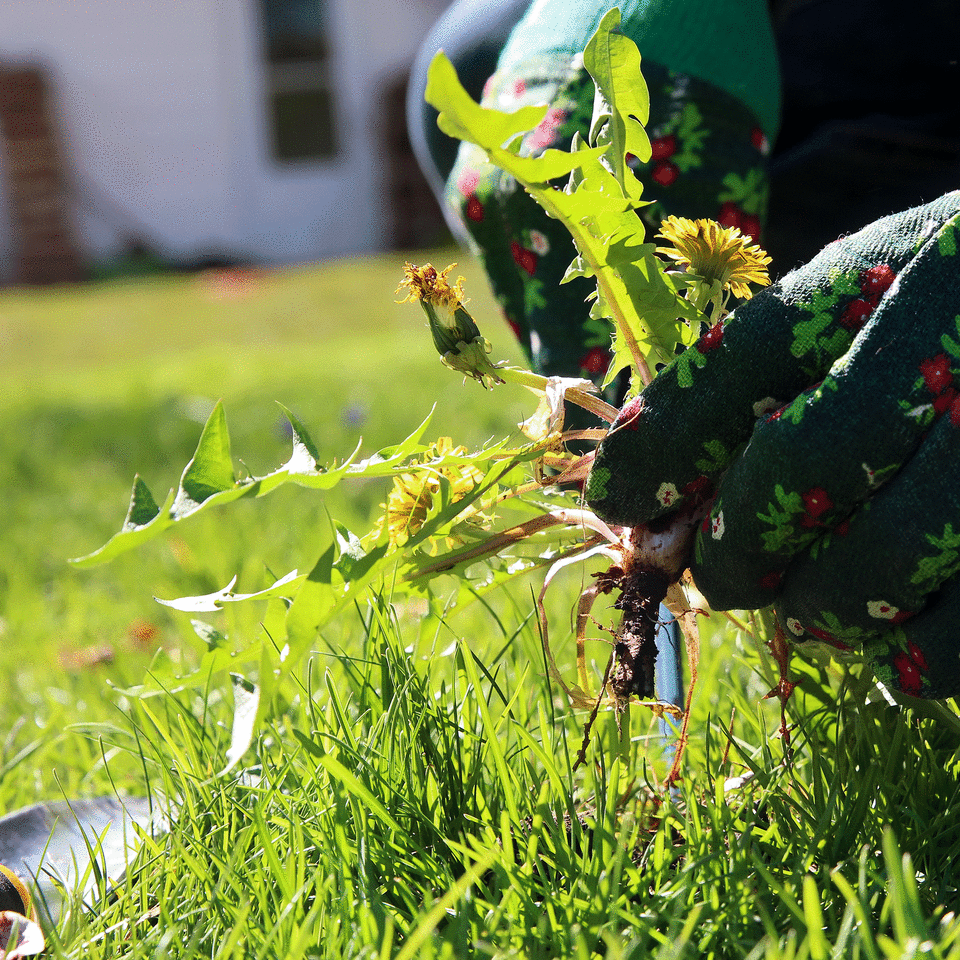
x=455, y=334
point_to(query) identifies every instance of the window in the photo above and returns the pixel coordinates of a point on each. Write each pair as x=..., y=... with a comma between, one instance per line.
x=300, y=86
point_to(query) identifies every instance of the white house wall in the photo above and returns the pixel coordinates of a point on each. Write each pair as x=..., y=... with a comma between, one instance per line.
x=163, y=111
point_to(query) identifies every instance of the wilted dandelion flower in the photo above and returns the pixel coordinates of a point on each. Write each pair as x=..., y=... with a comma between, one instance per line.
x=715, y=254
x=455, y=334
x=428, y=283
x=413, y=494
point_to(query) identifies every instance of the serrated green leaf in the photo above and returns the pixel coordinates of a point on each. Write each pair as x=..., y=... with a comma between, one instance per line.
x=246, y=701
x=305, y=457
x=387, y=462
x=465, y=119
x=143, y=508
x=211, y=470
x=493, y=130
x=208, y=470
x=129, y=537
x=623, y=106
x=211, y=602
x=207, y=479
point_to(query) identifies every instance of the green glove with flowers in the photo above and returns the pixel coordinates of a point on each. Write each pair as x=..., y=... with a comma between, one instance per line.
x=824, y=417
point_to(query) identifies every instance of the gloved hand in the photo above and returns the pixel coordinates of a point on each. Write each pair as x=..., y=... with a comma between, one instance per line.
x=825, y=413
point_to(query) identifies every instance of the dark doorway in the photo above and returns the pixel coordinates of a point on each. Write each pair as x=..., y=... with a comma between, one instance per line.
x=414, y=218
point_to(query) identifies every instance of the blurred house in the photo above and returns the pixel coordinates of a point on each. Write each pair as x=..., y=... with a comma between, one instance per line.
x=207, y=130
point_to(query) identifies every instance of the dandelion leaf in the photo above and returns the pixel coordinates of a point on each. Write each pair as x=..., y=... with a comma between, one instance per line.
x=305, y=457
x=622, y=105
x=246, y=701
x=211, y=470
x=210, y=602
x=143, y=508
x=494, y=131
x=600, y=201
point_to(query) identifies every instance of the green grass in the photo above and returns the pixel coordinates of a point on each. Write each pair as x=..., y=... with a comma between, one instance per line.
x=408, y=794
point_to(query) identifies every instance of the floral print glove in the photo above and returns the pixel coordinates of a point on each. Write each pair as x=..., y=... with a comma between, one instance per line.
x=825, y=415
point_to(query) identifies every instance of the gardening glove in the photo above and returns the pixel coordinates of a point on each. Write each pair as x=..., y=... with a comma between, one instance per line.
x=825, y=414
x=710, y=67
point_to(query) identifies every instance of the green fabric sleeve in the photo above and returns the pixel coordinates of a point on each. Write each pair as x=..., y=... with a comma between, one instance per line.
x=728, y=43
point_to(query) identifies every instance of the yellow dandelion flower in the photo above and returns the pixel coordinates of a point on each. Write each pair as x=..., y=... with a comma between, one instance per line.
x=413, y=494
x=455, y=334
x=407, y=505
x=715, y=254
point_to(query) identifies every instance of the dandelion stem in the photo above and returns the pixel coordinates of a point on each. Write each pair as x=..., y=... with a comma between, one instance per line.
x=577, y=395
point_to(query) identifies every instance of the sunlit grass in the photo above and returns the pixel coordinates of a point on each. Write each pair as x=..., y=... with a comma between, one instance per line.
x=412, y=791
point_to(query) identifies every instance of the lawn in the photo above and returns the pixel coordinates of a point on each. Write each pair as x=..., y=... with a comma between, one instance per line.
x=411, y=791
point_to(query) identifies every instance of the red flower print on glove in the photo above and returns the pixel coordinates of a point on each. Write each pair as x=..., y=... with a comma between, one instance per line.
x=663, y=147
x=548, y=130
x=816, y=502
x=944, y=402
x=936, y=373
x=770, y=581
x=629, y=416
x=526, y=259
x=595, y=360
x=665, y=173
x=875, y=282
x=750, y=226
x=916, y=654
x=731, y=215
x=759, y=139
x=908, y=667
x=711, y=339
x=855, y=314
x=474, y=209
x=698, y=490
